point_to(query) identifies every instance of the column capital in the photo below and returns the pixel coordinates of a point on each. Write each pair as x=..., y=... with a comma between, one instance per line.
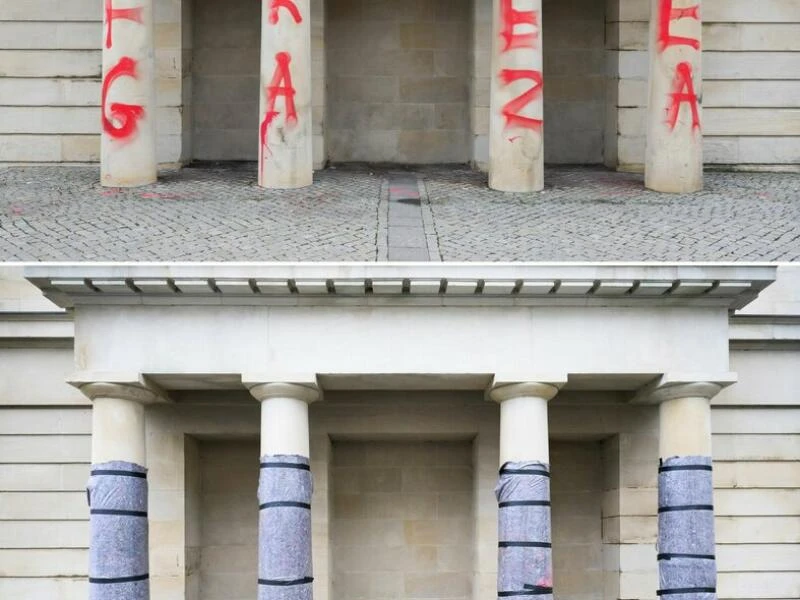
x=306, y=392
x=684, y=386
x=134, y=388
x=536, y=389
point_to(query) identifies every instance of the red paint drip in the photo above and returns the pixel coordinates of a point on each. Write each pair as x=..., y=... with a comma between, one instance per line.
x=129, y=14
x=275, y=5
x=281, y=85
x=511, y=19
x=127, y=114
x=667, y=14
x=512, y=109
x=683, y=91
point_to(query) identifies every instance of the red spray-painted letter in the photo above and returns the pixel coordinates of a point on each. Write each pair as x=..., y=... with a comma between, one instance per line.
x=276, y=5
x=511, y=110
x=129, y=14
x=667, y=14
x=126, y=114
x=281, y=85
x=683, y=91
x=513, y=18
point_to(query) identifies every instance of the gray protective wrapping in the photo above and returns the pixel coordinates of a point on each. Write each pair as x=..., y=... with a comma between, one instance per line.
x=284, y=528
x=118, y=550
x=525, y=562
x=686, y=564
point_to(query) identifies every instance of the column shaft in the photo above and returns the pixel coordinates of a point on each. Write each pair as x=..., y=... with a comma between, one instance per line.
x=284, y=493
x=128, y=139
x=525, y=562
x=686, y=555
x=516, y=149
x=284, y=150
x=674, y=155
x=117, y=496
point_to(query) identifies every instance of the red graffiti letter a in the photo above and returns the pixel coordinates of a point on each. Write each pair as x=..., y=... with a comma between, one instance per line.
x=129, y=14
x=275, y=5
x=667, y=14
x=281, y=85
x=511, y=110
x=512, y=18
x=683, y=91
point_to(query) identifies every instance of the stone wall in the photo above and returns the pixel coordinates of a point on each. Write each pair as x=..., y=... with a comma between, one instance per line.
x=397, y=74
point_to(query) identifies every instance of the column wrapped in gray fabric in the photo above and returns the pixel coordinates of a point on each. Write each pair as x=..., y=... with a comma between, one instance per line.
x=525, y=562
x=284, y=528
x=686, y=564
x=118, y=549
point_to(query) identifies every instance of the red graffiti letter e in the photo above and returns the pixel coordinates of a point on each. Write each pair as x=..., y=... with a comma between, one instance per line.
x=129, y=14
x=683, y=91
x=513, y=18
x=289, y=5
x=511, y=111
x=126, y=114
x=667, y=14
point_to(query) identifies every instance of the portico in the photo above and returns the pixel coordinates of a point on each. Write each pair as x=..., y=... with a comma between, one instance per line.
x=429, y=99
x=177, y=359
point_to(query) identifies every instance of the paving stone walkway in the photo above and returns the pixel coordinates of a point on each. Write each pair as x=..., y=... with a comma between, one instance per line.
x=359, y=213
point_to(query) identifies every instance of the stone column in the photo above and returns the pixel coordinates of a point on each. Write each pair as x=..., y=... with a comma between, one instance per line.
x=117, y=492
x=284, y=492
x=525, y=562
x=284, y=138
x=686, y=559
x=128, y=137
x=674, y=155
x=516, y=149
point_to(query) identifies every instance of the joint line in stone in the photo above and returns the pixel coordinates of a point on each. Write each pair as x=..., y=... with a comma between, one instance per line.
x=275, y=465
x=524, y=545
x=284, y=503
x=697, y=590
x=280, y=582
x=671, y=555
x=524, y=503
x=118, y=473
x=118, y=513
x=677, y=507
x=107, y=580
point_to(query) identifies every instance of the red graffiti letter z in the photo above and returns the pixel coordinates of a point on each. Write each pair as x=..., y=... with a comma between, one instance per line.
x=281, y=85
x=667, y=14
x=683, y=91
x=275, y=5
x=126, y=114
x=513, y=18
x=511, y=111
x=129, y=14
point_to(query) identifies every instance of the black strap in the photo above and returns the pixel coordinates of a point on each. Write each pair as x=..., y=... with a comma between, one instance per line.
x=532, y=591
x=663, y=509
x=119, y=513
x=119, y=473
x=276, y=465
x=524, y=545
x=119, y=579
x=524, y=503
x=697, y=590
x=284, y=503
x=538, y=589
x=542, y=472
x=685, y=468
x=671, y=555
x=281, y=582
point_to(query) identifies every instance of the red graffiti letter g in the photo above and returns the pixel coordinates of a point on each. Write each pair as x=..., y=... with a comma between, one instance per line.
x=126, y=114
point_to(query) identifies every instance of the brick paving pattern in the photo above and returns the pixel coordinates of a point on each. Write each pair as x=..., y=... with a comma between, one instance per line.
x=218, y=213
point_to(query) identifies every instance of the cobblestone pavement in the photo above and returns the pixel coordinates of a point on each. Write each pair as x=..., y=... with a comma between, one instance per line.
x=218, y=213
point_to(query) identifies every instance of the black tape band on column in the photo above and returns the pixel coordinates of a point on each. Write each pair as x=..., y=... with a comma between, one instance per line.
x=284, y=540
x=525, y=564
x=118, y=549
x=686, y=548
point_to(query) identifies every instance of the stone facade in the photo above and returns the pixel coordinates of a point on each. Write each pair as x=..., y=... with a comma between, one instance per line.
x=433, y=453
x=595, y=100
